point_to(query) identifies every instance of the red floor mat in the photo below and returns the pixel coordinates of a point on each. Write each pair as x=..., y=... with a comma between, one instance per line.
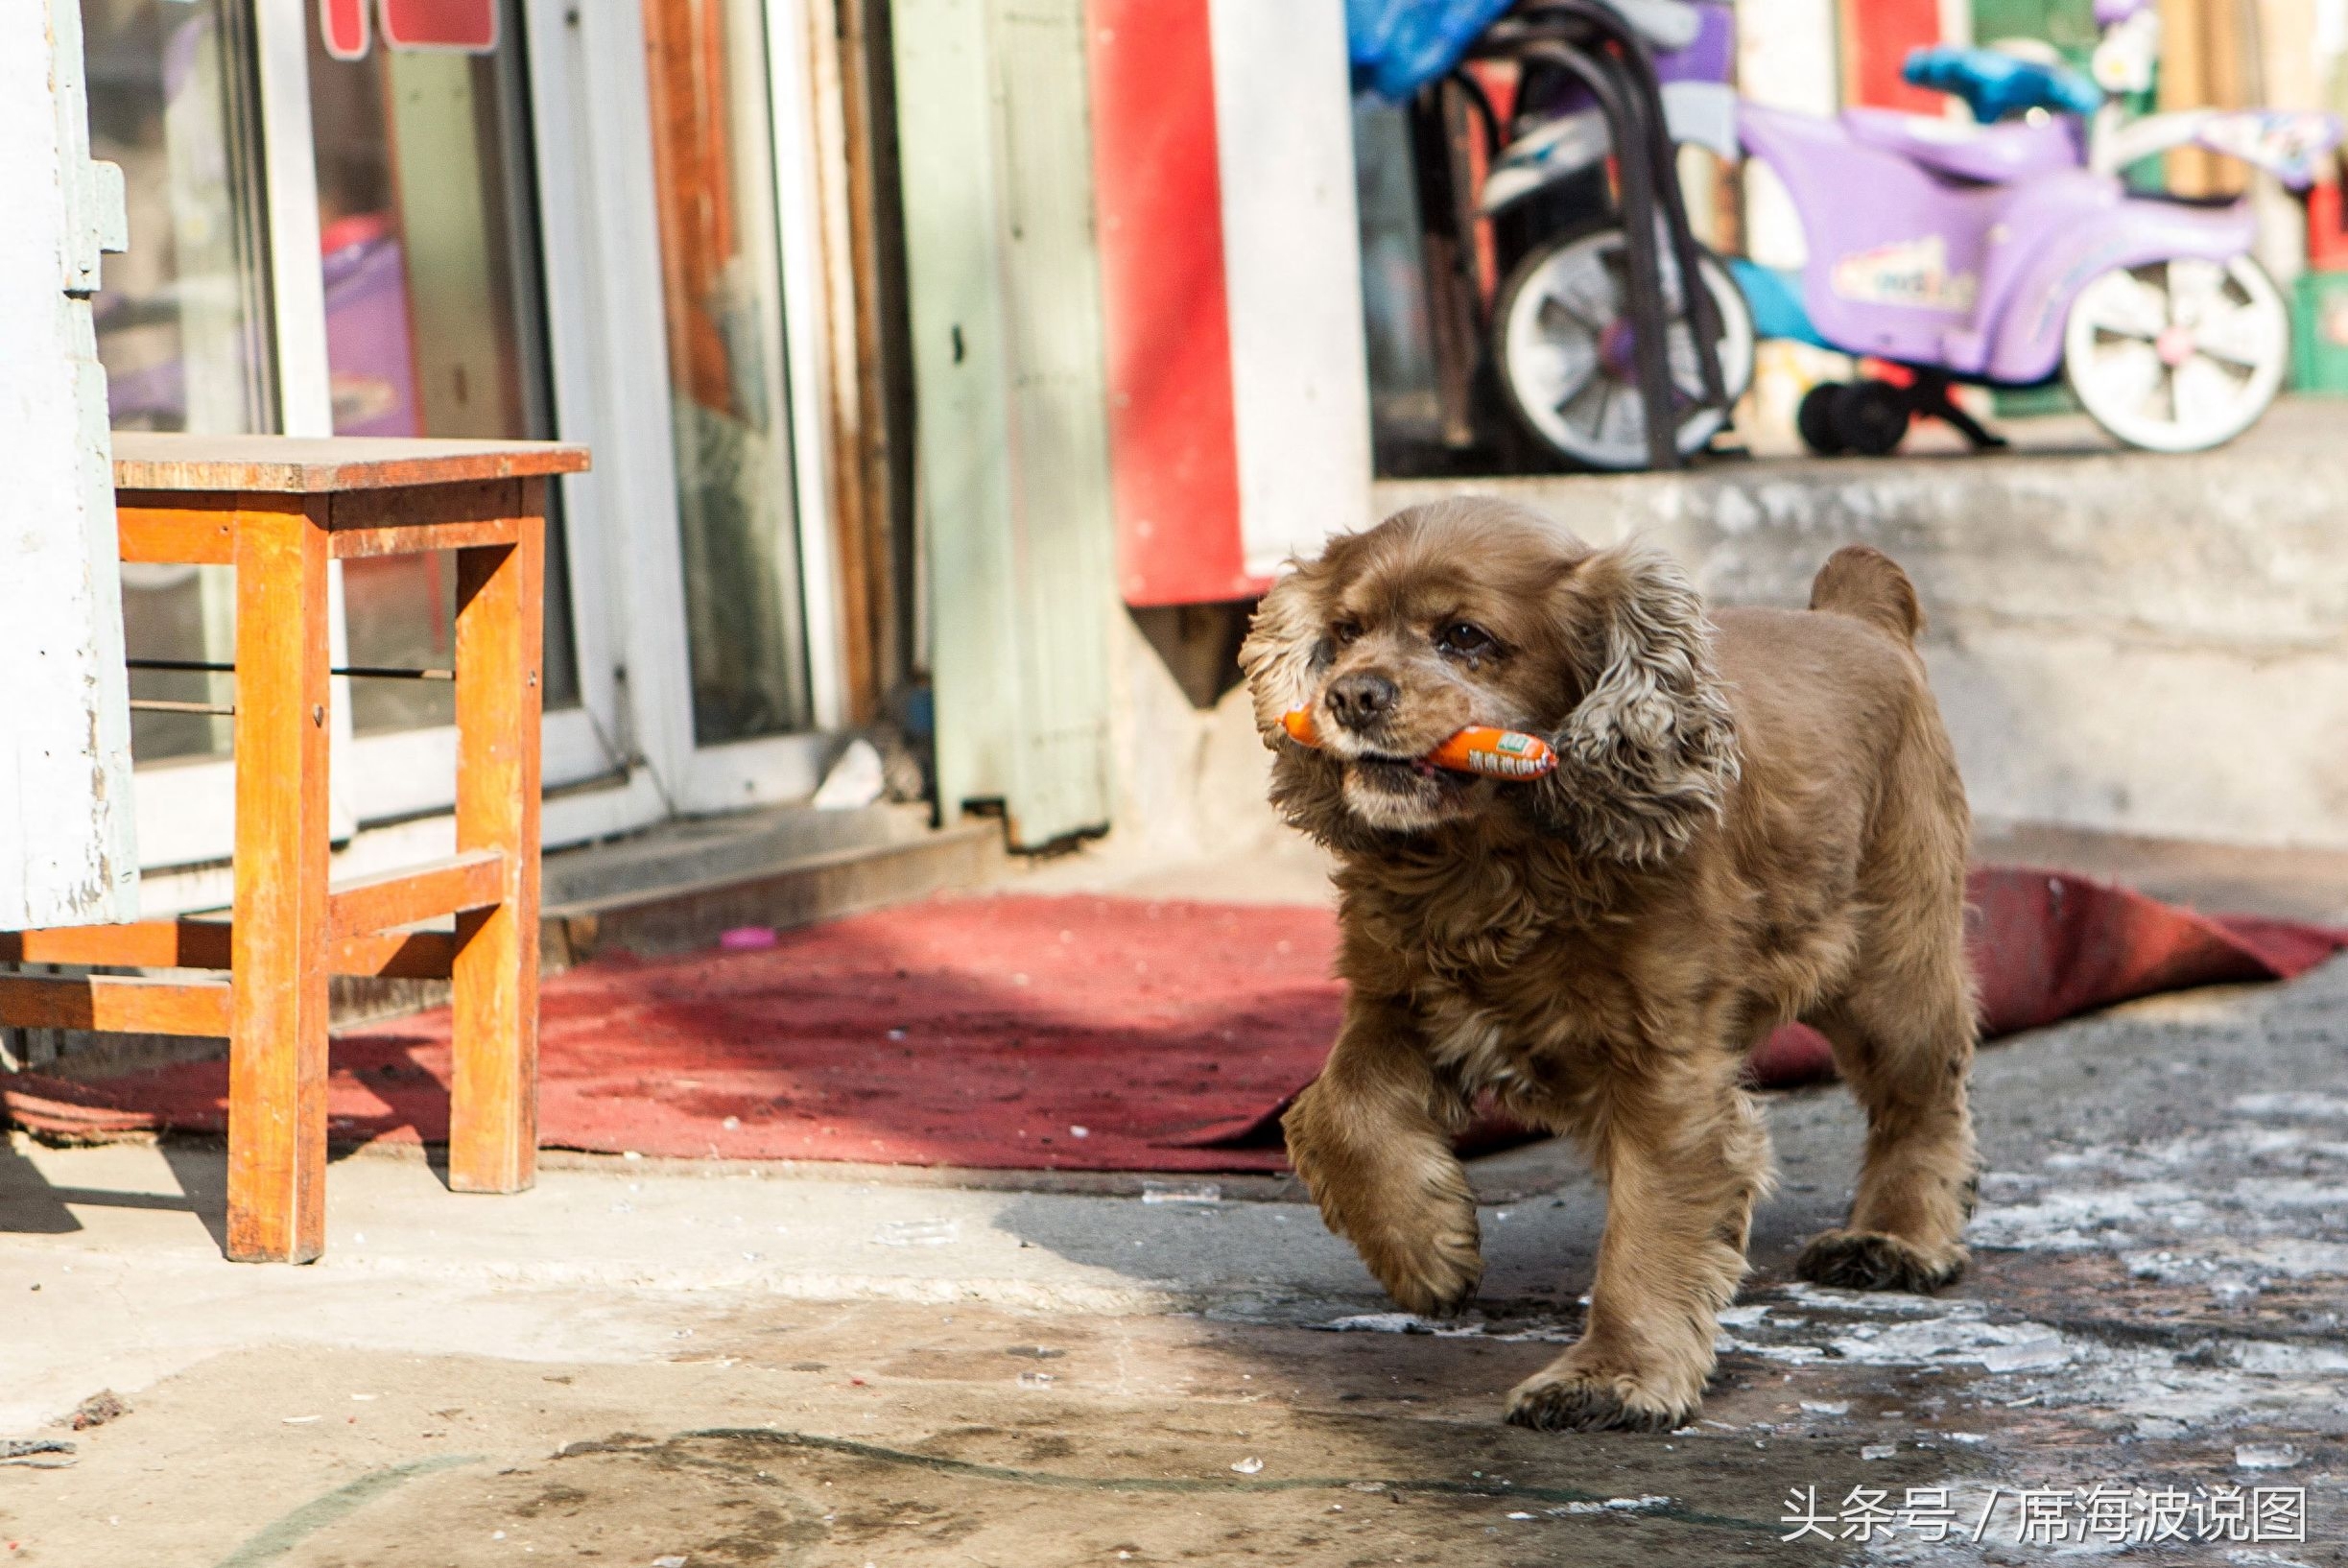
x=1074, y=1032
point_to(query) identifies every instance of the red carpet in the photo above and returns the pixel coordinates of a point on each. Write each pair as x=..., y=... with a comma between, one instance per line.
x=986, y=1033
x=2047, y=946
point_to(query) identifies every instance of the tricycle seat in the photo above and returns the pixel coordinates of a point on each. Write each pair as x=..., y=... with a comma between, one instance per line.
x=1994, y=84
x=1989, y=154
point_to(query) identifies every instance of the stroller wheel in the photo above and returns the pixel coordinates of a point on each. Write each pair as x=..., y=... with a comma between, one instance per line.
x=1870, y=418
x=2177, y=355
x=1815, y=418
x=1561, y=339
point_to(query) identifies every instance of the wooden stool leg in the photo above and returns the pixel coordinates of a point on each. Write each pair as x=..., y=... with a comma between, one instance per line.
x=494, y=1117
x=278, y=952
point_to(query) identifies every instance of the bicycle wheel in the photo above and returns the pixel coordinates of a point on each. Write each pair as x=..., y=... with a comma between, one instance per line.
x=2177, y=355
x=1563, y=342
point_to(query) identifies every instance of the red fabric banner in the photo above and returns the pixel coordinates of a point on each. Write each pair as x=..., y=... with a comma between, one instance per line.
x=343, y=25
x=469, y=25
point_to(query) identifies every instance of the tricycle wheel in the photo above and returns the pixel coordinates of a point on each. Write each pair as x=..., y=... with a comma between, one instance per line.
x=2177, y=355
x=1872, y=417
x=1561, y=338
x=1815, y=418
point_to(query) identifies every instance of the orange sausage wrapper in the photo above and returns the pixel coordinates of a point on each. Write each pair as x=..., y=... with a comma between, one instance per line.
x=1495, y=753
x=1492, y=753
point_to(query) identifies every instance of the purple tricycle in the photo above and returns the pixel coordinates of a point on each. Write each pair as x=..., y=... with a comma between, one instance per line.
x=2005, y=252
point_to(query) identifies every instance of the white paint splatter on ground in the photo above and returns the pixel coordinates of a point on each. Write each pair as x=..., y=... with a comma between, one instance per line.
x=2293, y=1103
x=1469, y=1326
x=2255, y=1204
x=2233, y=1209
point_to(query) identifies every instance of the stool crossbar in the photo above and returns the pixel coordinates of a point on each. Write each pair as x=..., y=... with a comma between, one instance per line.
x=279, y=511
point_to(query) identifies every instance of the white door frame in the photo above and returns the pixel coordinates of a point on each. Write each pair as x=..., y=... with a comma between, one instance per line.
x=599, y=238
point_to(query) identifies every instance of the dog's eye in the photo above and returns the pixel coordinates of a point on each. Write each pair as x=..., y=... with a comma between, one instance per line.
x=1346, y=633
x=1466, y=639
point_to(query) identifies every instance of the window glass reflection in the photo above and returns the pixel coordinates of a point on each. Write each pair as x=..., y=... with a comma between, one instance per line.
x=435, y=323
x=182, y=317
x=721, y=278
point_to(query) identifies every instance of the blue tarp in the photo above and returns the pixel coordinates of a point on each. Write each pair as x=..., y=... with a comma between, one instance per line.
x=1398, y=46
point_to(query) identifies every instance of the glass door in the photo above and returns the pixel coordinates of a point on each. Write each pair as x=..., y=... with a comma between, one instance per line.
x=435, y=325
x=183, y=320
x=729, y=400
x=592, y=220
x=422, y=314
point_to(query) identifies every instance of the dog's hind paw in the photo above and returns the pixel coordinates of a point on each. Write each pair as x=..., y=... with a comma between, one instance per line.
x=1558, y=1400
x=1865, y=1260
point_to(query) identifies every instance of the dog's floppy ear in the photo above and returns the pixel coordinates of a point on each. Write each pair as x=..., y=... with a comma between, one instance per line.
x=1283, y=656
x=1282, y=653
x=1649, y=753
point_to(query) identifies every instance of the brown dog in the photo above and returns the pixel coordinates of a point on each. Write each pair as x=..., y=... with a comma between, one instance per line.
x=1756, y=818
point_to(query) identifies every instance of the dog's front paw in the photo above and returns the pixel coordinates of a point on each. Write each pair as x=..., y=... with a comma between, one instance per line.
x=1400, y=1199
x=1432, y=1268
x=1566, y=1397
x=1867, y=1260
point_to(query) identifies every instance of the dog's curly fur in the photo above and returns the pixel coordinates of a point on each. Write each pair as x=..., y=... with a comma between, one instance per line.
x=1756, y=818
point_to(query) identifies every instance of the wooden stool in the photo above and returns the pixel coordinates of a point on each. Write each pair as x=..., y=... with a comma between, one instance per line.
x=278, y=510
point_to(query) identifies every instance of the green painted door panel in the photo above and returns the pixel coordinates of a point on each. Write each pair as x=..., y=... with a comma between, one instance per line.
x=1011, y=411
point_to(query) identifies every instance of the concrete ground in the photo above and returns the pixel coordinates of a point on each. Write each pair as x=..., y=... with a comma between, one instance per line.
x=641, y=1363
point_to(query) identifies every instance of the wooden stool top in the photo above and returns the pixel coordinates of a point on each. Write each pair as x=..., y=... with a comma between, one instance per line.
x=317, y=465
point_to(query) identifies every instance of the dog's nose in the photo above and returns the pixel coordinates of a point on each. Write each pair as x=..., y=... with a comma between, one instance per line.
x=1362, y=699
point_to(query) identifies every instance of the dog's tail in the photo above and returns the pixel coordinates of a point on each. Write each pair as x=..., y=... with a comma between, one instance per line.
x=1861, y=582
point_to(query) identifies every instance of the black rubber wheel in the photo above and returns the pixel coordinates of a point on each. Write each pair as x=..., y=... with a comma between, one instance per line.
x=1870, y=418
x=1815, y=418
